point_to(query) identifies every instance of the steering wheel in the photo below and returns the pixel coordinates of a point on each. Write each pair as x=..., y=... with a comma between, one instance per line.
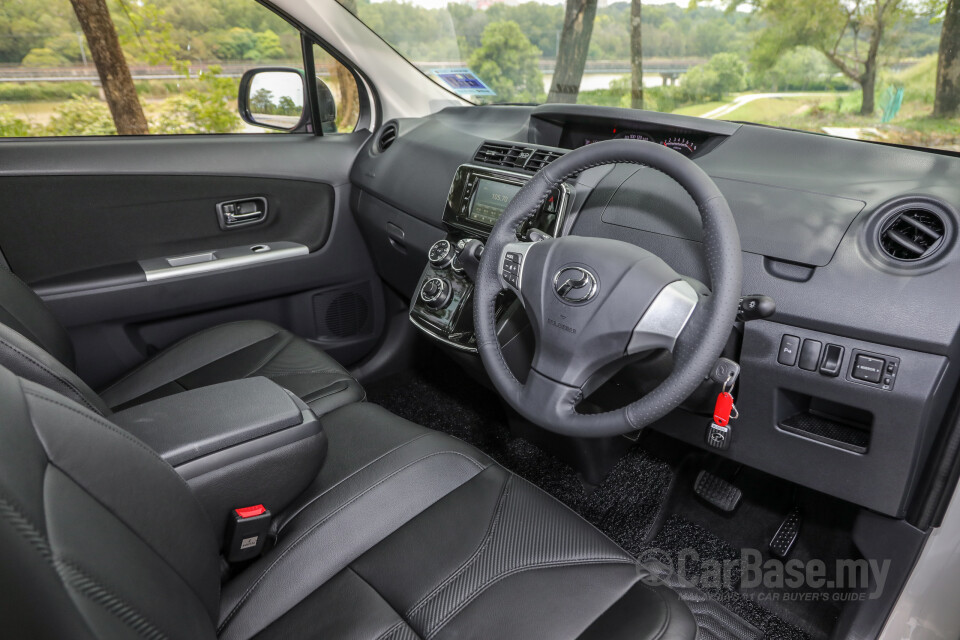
x=596, y=303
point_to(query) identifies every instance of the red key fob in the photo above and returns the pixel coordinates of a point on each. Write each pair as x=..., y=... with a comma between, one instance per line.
x=721, y=413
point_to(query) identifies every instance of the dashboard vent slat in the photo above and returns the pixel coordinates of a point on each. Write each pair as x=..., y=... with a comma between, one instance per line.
x=541, y=158
x=912, y=234
x=513, y=156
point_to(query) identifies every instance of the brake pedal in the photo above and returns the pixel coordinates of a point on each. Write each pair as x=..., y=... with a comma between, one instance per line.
x=786, y=535
x=717, y=491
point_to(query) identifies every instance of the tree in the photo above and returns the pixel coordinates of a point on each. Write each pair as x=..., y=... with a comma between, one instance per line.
x=572, y=56
x=508, y=63
x=848, y=32
x=349, y=107
x=94, y=18
x=947, y=101
x=636, y=55
x=724, y=73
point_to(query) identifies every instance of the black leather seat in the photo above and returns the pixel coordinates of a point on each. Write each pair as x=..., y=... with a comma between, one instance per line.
x=33, y=344
x=407, y=533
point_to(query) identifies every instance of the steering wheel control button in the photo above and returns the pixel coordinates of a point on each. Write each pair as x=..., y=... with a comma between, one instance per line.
x=789, y=350
x=435, y=293
x=810, y=354
x=868, y=369
x=832, y=360
x=575, y=285
x=440, y=254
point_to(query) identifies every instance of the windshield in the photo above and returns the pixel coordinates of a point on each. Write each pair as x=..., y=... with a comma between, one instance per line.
x=866, y=69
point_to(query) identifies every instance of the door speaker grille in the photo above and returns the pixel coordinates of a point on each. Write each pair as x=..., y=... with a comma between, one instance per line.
x=342, y=314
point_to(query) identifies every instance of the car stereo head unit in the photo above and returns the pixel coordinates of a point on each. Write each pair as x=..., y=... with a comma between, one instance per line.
x=479, y=196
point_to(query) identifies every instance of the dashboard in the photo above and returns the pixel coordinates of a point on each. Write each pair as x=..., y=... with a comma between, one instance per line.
x=843, y=389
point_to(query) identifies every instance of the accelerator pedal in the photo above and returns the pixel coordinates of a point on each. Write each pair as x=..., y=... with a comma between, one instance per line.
x=717, y=491
x=786, y=535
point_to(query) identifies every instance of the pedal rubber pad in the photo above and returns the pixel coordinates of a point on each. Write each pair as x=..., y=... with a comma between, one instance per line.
x=717, y=491
x=786, y=535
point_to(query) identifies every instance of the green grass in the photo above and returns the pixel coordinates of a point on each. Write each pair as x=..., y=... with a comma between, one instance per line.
x=773, y=110
x=699, y=109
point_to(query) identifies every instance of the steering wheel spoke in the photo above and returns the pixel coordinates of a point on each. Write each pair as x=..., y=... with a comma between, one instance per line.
x=665, y=319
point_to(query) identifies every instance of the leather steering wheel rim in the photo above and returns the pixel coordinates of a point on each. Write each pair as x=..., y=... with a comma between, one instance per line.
x=703, y=336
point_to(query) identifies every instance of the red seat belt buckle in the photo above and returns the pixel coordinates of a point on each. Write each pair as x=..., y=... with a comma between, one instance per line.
x=247, y=529
x=250, y=512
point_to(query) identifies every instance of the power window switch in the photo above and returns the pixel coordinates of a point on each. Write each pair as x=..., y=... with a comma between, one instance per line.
x=789, y=348
x=832, y=360
x=810, y=354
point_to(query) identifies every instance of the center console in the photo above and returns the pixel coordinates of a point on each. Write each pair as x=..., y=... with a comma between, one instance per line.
x=442, y=306
x=240, y=443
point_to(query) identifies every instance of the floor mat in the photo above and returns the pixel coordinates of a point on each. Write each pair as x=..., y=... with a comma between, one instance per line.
x=625, y=506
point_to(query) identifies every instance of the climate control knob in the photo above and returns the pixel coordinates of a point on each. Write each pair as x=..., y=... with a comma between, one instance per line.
x=441, y=254
x=435, y=293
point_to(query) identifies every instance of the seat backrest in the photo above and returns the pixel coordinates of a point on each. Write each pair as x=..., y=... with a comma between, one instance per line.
x=22, y=310
x=98, y=536
x=28, y=360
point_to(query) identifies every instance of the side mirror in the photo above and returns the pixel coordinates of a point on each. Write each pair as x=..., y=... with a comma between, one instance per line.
x=273, y=98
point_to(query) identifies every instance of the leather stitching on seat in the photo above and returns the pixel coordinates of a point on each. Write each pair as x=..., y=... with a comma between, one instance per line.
x=81, y=398
x=304, y=507
x=93, y=589
x=249, y=591
x=400, y=620
x=266, y=359
x=130, y=438
x=111, y=427
x=75, y=577
x=535, y=567
x=491, y=527
x=180, y=344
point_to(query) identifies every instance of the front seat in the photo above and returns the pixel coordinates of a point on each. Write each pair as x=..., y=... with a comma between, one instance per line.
x=34, y=345
x=408, y=533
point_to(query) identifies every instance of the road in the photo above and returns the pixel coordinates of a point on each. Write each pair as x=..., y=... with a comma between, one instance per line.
x=739, y=101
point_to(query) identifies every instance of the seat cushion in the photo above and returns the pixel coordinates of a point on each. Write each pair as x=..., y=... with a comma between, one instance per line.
x=239, y=350
x=409, y=533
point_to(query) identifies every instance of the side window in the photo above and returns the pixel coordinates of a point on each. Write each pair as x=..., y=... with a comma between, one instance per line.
x=343, y=89
x=156, y=67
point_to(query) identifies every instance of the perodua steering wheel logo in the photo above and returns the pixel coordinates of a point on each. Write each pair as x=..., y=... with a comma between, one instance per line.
x=575, y=285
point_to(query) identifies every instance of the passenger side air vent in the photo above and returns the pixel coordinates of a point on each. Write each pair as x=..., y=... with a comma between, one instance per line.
x=388, y=135
x=511, y=156
x=912, y=234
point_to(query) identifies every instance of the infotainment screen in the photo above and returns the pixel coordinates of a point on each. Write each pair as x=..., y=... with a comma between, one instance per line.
x=490, y=200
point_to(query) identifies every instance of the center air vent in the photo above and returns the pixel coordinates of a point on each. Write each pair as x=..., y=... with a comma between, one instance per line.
x=512, y=156
x=388, y=135
x=912, y=234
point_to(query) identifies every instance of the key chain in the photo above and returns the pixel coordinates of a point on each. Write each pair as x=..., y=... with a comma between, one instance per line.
x=719, y=432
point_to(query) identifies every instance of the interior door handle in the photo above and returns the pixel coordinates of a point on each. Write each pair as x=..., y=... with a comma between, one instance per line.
x=241, y=212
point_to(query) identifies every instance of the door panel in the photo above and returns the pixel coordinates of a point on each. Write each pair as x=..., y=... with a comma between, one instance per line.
x=81, y=213
x=94, y=222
